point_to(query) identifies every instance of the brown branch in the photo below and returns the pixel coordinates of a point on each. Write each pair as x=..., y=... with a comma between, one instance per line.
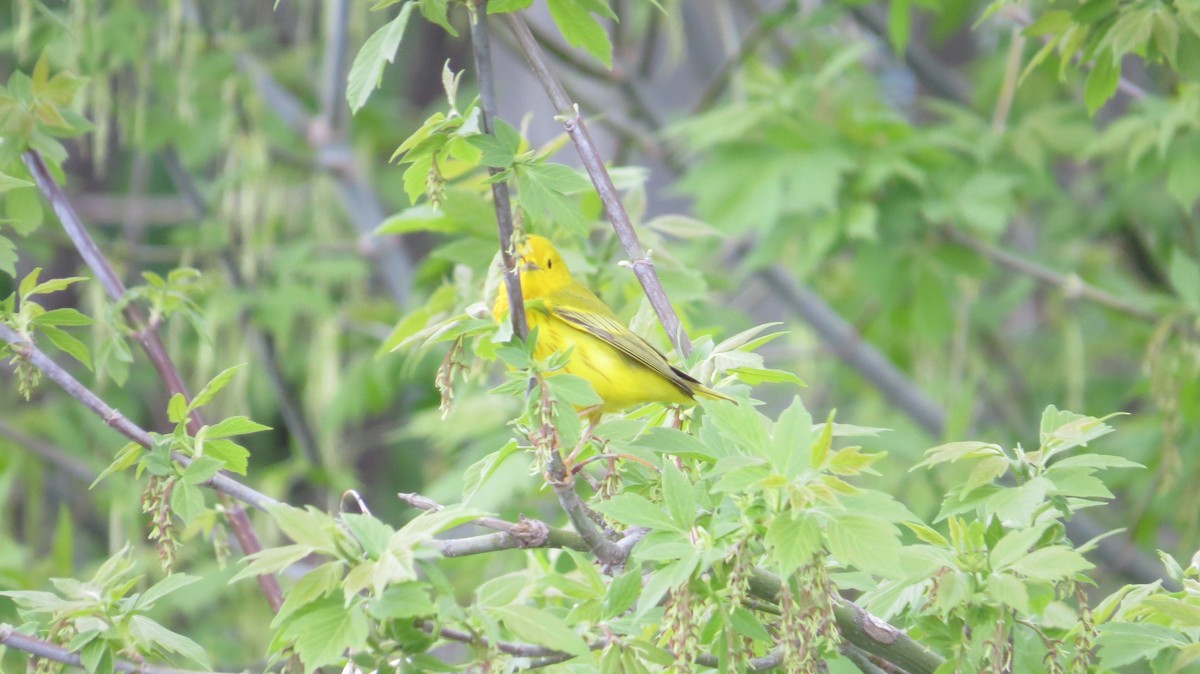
x=44, y=649
x=146, y=334
x=527, y=533
x=865, y=631
x=481, y=50
x=1071, y=285
x=69, y=464
x=593, y=162
x=25, y=350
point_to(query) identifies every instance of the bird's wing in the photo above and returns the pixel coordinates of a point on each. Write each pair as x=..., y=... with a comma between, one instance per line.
x=582, y=310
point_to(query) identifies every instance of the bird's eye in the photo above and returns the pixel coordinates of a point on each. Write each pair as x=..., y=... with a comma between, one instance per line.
x=550, y=264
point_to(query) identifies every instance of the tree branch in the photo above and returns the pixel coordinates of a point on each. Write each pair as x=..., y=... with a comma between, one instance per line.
x=589, y=154
x=481, y=50
x=25, y=349
x=527, y=533
x=333, y=91
x=44, y=649
x=1071, y=285
x=146, y=333
x=863, y=630
x=69, y=464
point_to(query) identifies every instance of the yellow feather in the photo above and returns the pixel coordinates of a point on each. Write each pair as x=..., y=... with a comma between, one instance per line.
x=623, y=368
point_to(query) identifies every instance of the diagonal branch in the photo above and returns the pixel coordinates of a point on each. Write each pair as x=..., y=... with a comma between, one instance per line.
x=146, y=333
x=25, y=349
x=46, y=650
x=593, y=162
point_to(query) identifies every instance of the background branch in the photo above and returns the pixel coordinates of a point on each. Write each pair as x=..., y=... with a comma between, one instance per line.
x=44, y=649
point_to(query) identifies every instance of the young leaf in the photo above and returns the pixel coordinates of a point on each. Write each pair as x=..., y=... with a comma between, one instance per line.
x=367, y=70
x=213, y=387
x=542, y=628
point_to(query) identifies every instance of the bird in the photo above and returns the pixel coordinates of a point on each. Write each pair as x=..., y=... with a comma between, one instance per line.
x=623, y=368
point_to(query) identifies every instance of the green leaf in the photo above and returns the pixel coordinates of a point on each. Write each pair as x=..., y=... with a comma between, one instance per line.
x=307, y=526
x=666, y=440
x=507, y=6
x=679, y=495
x=231, y=453
x=238, y=425
x=148, y=632
x=213, y=387
x=499, y=150
x=622, y=592
x=271, y=561
x=371, y=533
x=366, y=72
x=65, y=316
x=953, y=451
x=24, y=210
x=794, y=538
x=187, y=501
x=501, y=590
x=760, y=375
x=573, y=390
x=1102, y=81
x=162, y=588
x=177, y=408
x=68, y=344
x=403, y=600
x=542, y=189
x=1053, y=563
x=325, y=629
x=312, y=586
x=581, y=29
x=435, y=12
x=1014, y=546
x=8, y=257
x=8, y=182
x=1122, y=643
x=202, y=469
x=865, y=542
x=126, y=457
x=52, y=286
x=637, y=510
x=542, y=628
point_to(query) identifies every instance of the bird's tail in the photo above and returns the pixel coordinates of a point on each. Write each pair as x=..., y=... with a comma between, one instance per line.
x=702, y=390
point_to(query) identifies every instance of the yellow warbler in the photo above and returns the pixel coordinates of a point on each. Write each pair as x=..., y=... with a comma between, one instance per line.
x=623, y=368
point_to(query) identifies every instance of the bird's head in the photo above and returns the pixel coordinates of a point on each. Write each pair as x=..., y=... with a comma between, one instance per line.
x=542, y=269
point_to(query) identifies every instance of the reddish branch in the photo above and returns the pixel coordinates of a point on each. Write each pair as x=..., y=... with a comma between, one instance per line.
x=146, y=334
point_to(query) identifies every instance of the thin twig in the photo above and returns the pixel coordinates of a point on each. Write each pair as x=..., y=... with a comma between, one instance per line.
x=481, y=50
x=23, y=348
x=526, y=533
x=1071, y=284
x=44, y=649
x=69, y=464
x=593, y=162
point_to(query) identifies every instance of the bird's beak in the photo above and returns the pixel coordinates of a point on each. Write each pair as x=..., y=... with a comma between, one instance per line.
x=529, y=265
